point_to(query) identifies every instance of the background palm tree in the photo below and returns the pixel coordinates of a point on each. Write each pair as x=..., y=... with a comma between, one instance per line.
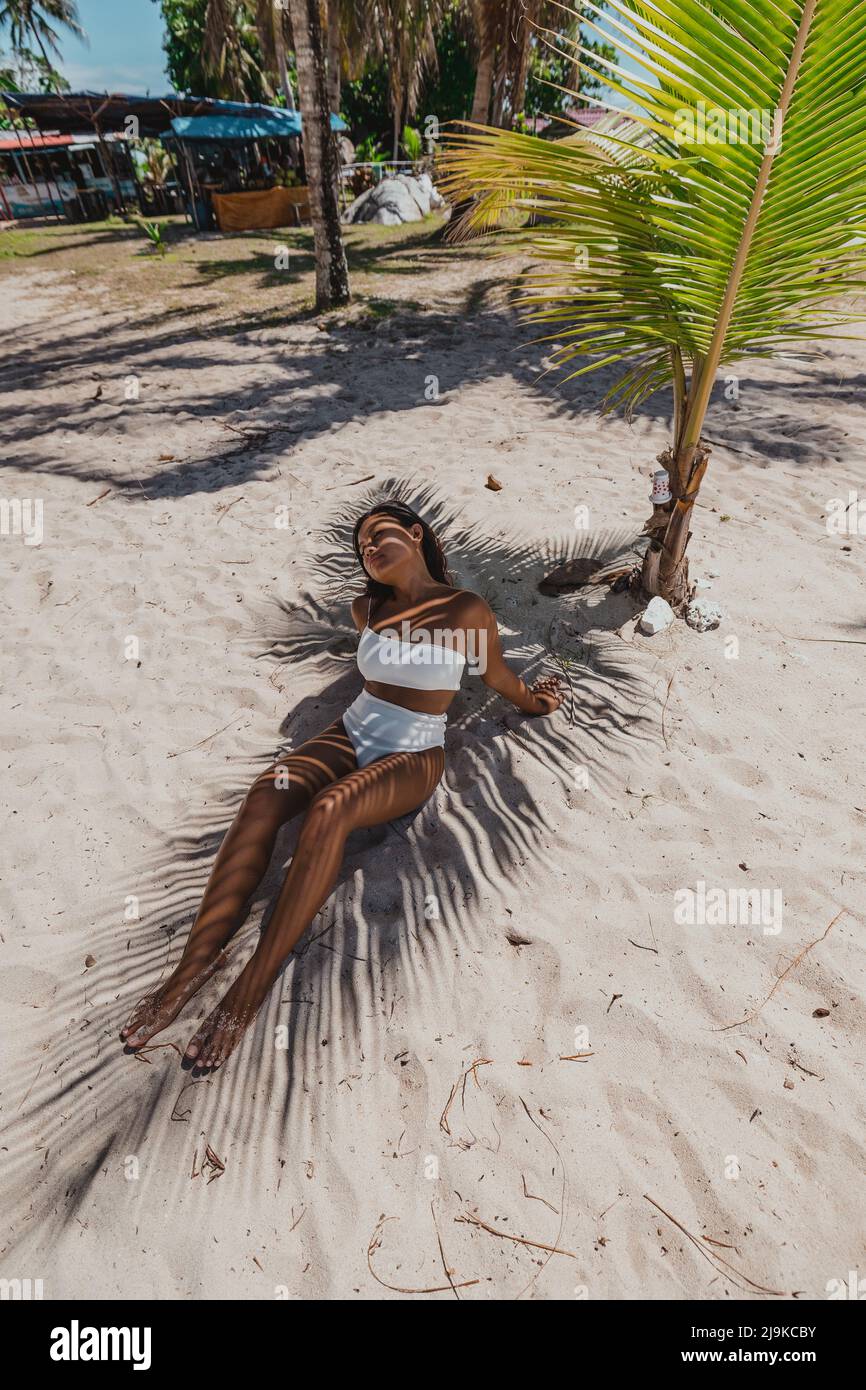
x=674, y=249
x=275, y=37
x=506, y=30
x=321, y=157
x=34, y=20
x=407, y=31
x=230, y=50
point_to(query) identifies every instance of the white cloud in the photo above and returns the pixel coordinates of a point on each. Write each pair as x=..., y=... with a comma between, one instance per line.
x=100, y=77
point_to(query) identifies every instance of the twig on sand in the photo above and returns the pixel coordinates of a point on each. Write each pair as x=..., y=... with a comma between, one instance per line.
x=353, y=482
x=665, y=705
x=374, y=1244
x=212, y=1161
x=473, y=1220
x=186, y=1114
x=654, y=949
x=792, y=1062
x=154, y=1046
x=30, y=1087
x=224, y=511
x=723, y=1245
x=252, y=436
x=712, y=1258
x=442, y=1252
x=563, y=1196
x=796, y=961
x=94, y=500
x=797, y=637
x=461, y=1083
x=533, y=1197
x=576, y=1057
x=209, y=737
x=139, y=1053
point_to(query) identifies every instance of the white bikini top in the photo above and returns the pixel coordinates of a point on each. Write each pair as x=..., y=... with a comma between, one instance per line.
x=417, y=665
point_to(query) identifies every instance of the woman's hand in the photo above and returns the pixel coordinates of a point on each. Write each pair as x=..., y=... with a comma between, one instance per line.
x=549, y=693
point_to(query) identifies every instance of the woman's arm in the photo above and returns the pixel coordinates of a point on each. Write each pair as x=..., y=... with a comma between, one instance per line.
x=359, y=611
x=543, y=697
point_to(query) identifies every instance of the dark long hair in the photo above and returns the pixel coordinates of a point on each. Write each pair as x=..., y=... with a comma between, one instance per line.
x=431, y=547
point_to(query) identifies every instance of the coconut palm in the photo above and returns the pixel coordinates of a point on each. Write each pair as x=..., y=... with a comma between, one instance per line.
x=320, y=152
x=274, y=33
x=229, y=50
x=505, y=31
x=34, y=19
x=407, y=30
x=719, y=224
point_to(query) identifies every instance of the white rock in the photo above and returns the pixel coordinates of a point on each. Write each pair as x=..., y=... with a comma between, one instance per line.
x=702, y=614
x=657, y=616
x=436, y=199
x=403, y=198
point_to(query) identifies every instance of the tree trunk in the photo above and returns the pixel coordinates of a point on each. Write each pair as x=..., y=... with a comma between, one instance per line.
x=518, y=94
x=335, y=51
x=280, y=52
x=498, y=112
x=665, y=570
x=573, y=81
x=320, y=154
x=484, y=81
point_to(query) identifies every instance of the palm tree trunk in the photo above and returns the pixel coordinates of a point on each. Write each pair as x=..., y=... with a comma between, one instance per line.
x=483, y=82
x=320, y=154
x=280, y=53
x=499, y=80
x=521, y=72
x=49, y=70
x=335, y=48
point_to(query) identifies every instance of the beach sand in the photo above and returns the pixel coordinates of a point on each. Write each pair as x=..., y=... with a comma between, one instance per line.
x=496, y=1048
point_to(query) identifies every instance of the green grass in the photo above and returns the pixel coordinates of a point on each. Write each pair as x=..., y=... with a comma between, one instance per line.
x=17, y=243
x=218, y=277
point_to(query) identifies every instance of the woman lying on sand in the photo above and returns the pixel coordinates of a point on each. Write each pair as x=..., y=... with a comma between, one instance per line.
x=380, y=761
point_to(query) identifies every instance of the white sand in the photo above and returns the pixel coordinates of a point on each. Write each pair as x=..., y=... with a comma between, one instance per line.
x=121, y=776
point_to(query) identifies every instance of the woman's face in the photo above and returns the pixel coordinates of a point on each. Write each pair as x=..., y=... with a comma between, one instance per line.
x=387, y=546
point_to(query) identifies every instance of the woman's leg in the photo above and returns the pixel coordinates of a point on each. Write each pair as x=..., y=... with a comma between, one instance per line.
x=387, y=788
x=280, y=793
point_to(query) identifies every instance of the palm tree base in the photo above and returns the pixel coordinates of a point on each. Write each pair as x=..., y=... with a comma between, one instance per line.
x=665, y=569
x=662, y=576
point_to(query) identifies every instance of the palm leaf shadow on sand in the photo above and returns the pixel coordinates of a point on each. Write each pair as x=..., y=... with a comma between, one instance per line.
x=376, y=936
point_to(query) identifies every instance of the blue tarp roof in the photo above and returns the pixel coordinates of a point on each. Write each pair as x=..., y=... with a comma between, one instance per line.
x=273, y=121
x=70, y=112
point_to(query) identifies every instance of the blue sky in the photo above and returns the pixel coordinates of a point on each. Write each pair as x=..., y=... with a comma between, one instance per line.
x=125, y=48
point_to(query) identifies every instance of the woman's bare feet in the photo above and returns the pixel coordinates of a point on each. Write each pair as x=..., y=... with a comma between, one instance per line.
x=157, y=1009
x=223, y=1029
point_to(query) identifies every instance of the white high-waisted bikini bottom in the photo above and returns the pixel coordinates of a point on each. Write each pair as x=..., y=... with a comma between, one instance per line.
x=376, y=728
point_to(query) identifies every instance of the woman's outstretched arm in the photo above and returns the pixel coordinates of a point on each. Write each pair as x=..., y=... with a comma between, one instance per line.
x=543, y=697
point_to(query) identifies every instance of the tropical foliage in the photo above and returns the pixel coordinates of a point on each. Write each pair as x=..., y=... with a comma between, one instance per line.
x=517, y=73
x=206, y=59
x=725, y=219
x=25, y=71
x=389, y=61
x=36, y=25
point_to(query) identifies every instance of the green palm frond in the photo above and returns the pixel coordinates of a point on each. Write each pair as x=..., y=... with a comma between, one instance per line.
x=724, y=215
x=32, y=19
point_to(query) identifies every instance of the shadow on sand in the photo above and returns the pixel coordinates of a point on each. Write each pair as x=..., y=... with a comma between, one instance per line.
x=410, y=894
